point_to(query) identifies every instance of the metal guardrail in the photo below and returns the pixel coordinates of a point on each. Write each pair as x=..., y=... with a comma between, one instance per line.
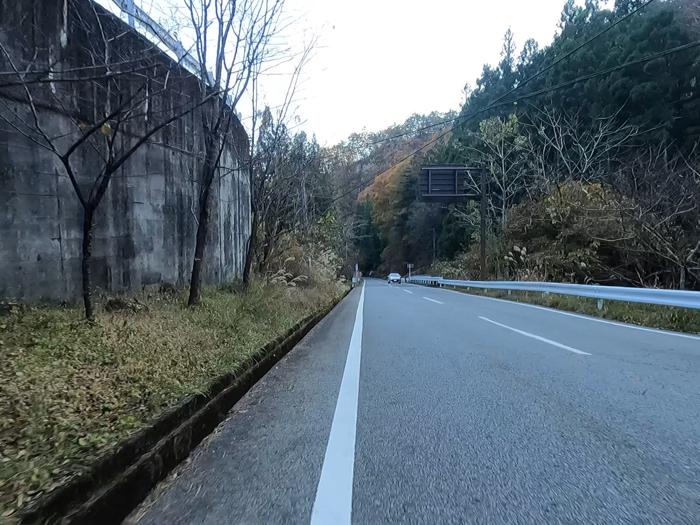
x=140, y=20
x=679, y=298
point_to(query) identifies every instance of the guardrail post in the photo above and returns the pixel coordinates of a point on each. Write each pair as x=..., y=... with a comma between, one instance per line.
x=600, y=304
x=509, y=292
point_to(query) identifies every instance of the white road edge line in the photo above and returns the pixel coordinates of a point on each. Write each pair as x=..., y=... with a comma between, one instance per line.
x=533, y=336
x=333, y=503
x=579, y=316
x=408, y=291
x=432, y=300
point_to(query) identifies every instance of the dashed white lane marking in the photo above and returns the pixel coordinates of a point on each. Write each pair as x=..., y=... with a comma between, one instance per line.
x=333, y=503
x=432, y=300
x=579, y=316
x=533, y=336
x=408, y=291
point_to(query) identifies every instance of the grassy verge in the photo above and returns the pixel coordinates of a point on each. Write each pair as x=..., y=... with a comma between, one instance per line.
x=665, y=317
x=69, y=391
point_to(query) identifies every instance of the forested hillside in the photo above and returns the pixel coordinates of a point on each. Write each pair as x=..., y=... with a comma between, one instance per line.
x=310, y=211
x=593, y=166
x=359, y=167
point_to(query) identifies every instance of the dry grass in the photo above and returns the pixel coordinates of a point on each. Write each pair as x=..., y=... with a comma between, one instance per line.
x=664, y=317
x=69, y=390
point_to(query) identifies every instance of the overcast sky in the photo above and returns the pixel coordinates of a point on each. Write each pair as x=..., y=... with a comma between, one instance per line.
x=379, y=61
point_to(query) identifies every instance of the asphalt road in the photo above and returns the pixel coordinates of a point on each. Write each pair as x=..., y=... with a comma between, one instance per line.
x=419, y=405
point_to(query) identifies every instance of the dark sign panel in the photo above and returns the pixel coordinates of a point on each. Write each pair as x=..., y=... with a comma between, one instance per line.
x=446, y=183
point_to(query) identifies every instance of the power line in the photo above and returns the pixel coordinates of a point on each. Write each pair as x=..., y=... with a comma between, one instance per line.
x=527, y=80
x=526, y=96
x=498, y=102
x=609, y=70
x=494, y=104
x=540, y=72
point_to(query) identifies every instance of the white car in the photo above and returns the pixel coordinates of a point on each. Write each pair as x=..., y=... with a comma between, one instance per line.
x=394, y=278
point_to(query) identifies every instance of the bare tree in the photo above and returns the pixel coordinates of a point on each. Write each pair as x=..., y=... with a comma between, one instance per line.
x=501, y=148
x=231, y=40
x=691, y=14
x=271, y=185
x=561, y=147
x=645, y=213
x=657, y=190
x=126, y=82
x=664, y=225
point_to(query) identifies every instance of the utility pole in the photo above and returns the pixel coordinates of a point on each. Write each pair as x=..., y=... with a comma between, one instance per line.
x=433, y=245
x=483, y=225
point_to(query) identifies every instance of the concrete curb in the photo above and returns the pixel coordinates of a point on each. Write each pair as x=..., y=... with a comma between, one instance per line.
x=117, y=482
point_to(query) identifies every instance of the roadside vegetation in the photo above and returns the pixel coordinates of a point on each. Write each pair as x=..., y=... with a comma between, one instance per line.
x=75, y=382
x=648, y=315
x=71, y=390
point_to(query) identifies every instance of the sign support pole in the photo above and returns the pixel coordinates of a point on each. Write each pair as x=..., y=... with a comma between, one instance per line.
x=483, y=225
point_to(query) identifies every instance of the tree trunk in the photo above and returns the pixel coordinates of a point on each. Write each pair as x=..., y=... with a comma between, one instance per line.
x=200, y=244
x=682, y=278
x=250, y=250
x=264, y=256
x=268, y=247
x=482, y=226
x=88, y=222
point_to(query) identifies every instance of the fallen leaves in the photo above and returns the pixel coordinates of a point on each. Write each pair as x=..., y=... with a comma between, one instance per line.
x=70, y=390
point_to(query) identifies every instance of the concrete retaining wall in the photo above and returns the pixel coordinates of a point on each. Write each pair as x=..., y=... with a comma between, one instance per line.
x=145, y=227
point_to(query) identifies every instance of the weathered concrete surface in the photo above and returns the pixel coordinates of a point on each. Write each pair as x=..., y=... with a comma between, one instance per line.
x=145, y=227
